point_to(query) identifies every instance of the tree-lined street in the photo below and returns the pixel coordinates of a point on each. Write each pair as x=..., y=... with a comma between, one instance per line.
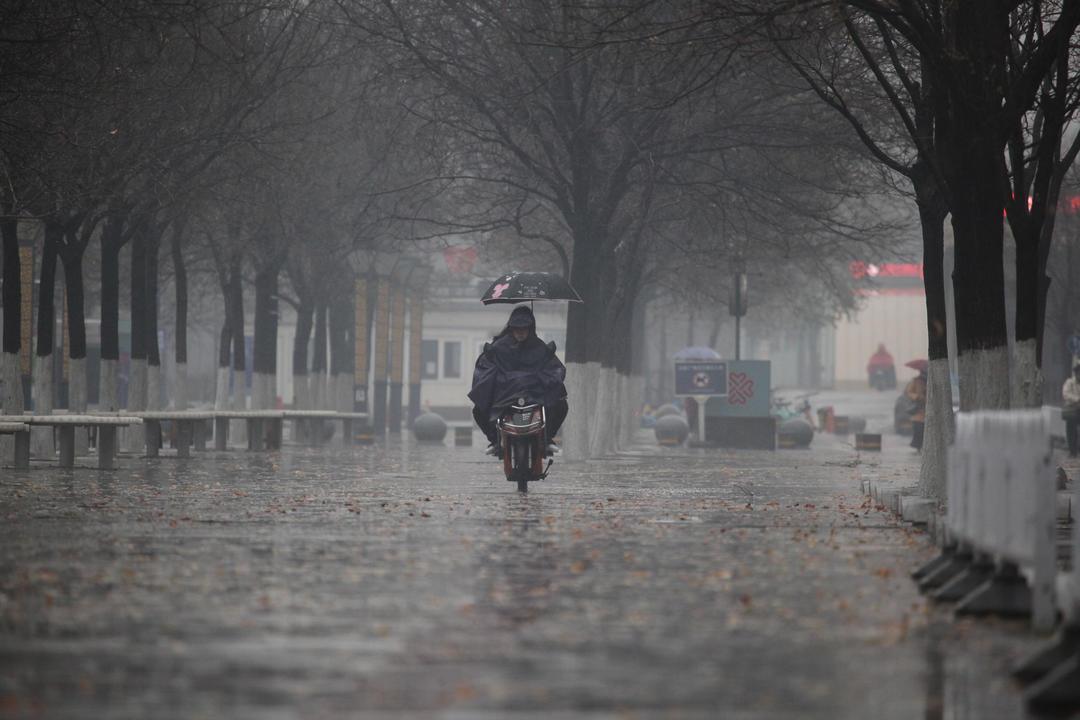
x=413, y=581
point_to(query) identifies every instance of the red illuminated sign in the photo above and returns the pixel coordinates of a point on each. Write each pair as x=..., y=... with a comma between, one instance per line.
x=862, y=270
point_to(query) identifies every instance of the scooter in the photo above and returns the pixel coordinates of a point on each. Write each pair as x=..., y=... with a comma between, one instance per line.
x=523, y=437
x=883, y=378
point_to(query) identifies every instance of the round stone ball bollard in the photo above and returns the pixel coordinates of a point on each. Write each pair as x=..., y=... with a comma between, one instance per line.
x=429, y=428
x=665, y=410
x=795, y=433
x=671, y=430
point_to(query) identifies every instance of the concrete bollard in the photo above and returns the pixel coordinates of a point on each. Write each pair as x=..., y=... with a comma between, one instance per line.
x=794, y=433
x=671, y=430
x=429, y=428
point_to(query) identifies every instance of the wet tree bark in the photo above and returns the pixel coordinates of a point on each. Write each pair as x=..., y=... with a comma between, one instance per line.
x=939, y=429
x=12, y=401
x=153, y=348
x=112, y=241
x=305, y=316
x=341, y=354
x=12, y=277
x=264, y=362
x=138, y=297
x=318, y=357
x=181, y=283
x=46, y=319
x=181, y=288
x=979, y=280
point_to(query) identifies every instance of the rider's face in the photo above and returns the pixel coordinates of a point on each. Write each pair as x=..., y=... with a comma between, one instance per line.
x=519, y=333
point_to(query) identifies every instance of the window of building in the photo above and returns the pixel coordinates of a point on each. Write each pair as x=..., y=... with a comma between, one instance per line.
x=451, y=359
x=429, y=359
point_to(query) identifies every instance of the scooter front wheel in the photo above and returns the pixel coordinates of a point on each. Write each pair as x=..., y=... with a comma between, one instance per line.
x=521, y=465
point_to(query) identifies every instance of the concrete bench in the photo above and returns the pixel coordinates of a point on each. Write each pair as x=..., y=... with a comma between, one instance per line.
x=260, y=425
x=347, y=419
x=21, y=431
x=106, y=426
x=190, y=429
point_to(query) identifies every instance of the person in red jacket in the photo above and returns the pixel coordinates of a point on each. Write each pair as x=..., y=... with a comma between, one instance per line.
x=881, y=370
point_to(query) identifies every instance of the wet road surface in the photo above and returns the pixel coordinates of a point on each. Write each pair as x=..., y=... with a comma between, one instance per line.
x=413, y=581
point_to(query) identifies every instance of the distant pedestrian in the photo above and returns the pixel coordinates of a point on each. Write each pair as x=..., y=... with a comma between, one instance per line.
x=1070, y=408
x=916, y=393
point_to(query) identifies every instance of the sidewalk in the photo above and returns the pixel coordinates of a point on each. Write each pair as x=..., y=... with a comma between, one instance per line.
x=412, y=581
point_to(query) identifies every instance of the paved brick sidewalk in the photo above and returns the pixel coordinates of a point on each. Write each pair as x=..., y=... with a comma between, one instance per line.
x=414, y=582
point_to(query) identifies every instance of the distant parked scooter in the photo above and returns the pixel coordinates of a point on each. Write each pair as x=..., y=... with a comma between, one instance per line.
x=523, y=437
x=795, y=419
x=883, y=378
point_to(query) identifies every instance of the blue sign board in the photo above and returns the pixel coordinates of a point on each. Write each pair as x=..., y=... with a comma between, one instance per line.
x=701, y=377
x=1074, y=344
x=748, y=391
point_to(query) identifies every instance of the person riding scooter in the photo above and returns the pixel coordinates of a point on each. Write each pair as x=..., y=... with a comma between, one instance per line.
x=880, y=370
x=517, y=364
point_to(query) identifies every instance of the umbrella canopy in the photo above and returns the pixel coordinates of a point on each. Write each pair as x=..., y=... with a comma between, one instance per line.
x=518, y=287
x=918, y=365
x=697, y=352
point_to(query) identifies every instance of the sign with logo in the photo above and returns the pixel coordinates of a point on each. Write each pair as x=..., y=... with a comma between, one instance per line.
x=701, y=377
x=747, y=391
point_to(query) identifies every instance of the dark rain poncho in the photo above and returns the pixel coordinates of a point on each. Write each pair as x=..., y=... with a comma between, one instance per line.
x=505, y=372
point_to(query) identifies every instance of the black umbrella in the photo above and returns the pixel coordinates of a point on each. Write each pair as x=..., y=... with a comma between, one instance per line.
x=518, y=287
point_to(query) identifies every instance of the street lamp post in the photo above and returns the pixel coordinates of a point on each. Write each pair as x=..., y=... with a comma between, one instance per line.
x=738, y=303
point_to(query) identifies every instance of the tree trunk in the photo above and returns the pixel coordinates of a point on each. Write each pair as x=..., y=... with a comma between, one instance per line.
x=318, y=357
x=239, y=352
x=979, y=280
x=154, y=389
x=46, y=324
x=112, y=240
x=238, y=428
x=939, y=428
x=264, y=362
x=341, y=352
x=12, y=399
x=138, y=371
x=1027, y=388
x=305, y=317
x=72, y=258
x=180, y=280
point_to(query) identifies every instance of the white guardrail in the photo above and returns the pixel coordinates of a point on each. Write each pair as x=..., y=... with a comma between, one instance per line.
x=1002, y=497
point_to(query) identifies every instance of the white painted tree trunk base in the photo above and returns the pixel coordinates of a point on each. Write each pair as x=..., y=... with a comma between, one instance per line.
x=984, y=379
x=238, y=428
x=135, y=438
x=262, y=391
x=581, y=380
x=343, y=392
x=41, y=438
x=221, y=389
x=633, y=396
x=109, y=392
x=180, y=392
x=12, y=400
x=938, y=432
x=1027, y=377
x=153, y=387
x=604, y=413
x=77, y=402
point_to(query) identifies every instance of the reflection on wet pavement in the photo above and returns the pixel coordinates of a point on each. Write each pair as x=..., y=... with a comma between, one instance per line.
x=406, y=580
